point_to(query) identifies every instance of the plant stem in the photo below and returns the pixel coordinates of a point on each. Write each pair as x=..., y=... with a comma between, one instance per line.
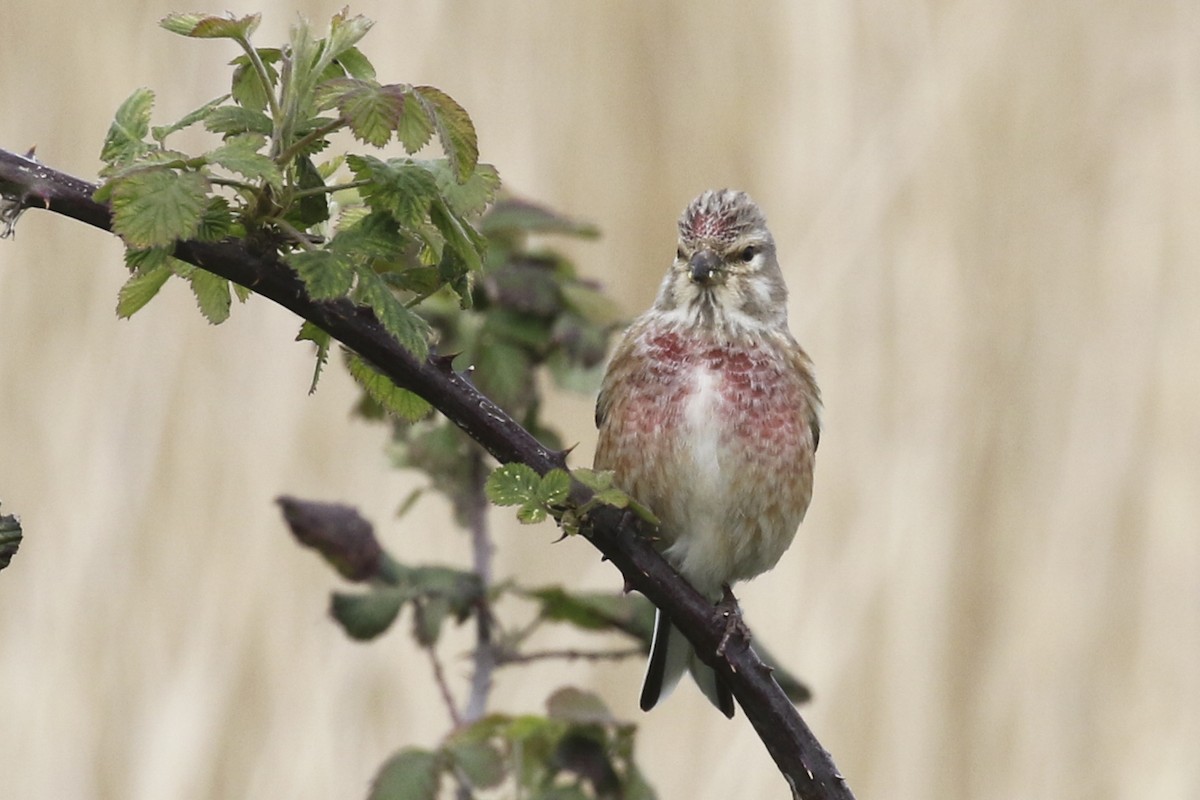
x=482, y=551
x=337, y=187
x=304, y=141
x=439, y=675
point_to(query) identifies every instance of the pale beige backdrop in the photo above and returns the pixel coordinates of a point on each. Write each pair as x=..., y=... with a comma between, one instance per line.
x=987, y=213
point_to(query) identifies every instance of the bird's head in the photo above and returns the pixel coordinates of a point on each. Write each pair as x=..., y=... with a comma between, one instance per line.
x=725, y=271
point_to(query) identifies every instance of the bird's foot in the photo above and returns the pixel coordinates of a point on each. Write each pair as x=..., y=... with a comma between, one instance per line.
x=730, y=612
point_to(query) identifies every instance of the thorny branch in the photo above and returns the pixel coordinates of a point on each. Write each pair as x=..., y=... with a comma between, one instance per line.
x=807, y=767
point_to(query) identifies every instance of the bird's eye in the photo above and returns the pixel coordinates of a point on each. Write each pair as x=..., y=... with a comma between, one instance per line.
x=748, y=253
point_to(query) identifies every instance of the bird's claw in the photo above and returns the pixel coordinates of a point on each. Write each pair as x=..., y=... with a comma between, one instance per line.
x=729, y=610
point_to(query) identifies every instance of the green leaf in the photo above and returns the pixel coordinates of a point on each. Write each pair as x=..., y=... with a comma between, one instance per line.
x=460, y=236
x=310, y=332
x=592, y=304
x=411, y=774
x=411, y=331
x=365, y=616
x=247, y=87
x=429, y=614
x=401, y=402
x=356, y=64
x=311, y=209
x=404, y=189
x=512, y=484
x=204, y=26
x=470, y=197
x=326, y=274
x=212, y=295
x=344, y=32
x=511, y=216
x=125, y=139
x=416, y=125
x=554, y=487
x=594, y=611
x=163, y=131
x=371, y=110
x=158, y=206
x=241, y=154
x=455, y=130
x=10, y=538
x=216, y=222
x=482, y=763
x=140, y=289
x=237, y=119
x=531, y=513
x=575, y=705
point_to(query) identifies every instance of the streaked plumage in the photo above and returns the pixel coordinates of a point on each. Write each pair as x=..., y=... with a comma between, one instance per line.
x=708, y=414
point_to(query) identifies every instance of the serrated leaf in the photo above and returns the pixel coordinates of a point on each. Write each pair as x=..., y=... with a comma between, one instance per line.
x=512, y=484
x=415, y=127
x=612, y=497
x=356, y=64
x=401, y=402
x=404, y=189
x=130, y=126
x=596, y=480
x=217, y=221
x=237, y=119
x=326, y=274
x=321, y=338
x=409, y=775
x=345, y=32
x=470, y=197
x=411, y=332
x=459, y=234
x=204, y=26
x=212, y=295
x=455, y=130
x=311, y=209
x=372, y=112
x=531, y=513
x=241, y=154
x=482, y=763
x=158, y=206
x=365, y=616
x=554, y=487
x=140, y=289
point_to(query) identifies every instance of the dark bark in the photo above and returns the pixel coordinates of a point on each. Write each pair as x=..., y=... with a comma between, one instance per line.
x=806, y=765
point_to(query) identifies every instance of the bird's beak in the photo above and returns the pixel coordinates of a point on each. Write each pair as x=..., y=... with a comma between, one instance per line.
x=702, y=266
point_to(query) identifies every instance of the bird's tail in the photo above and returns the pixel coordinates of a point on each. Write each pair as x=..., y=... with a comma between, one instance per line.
x=670, y=654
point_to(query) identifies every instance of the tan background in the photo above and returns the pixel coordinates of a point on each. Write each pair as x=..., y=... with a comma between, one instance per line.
x=987, y=213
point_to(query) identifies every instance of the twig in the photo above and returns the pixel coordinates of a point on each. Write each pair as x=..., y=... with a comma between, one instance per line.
x=621, y=538
x=439, y=675
x=570, y=655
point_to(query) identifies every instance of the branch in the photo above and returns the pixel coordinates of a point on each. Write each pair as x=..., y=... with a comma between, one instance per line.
x=807, y=767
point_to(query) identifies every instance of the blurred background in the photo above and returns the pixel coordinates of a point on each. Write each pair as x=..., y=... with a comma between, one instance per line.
x=987, y=215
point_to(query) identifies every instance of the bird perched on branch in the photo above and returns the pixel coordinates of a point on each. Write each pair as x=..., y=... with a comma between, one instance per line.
x=708, y=414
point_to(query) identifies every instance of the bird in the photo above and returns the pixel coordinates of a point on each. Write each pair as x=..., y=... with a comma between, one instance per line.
x=709, y=414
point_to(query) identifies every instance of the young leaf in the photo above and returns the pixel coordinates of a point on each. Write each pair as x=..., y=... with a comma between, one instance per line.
x=531, y=513
x=554, y=487
x=470, y=197
x=344, y=32
x=125, y=139
x=216, y=222
x=212, y=295
x=416, y=125
x=311, y=209
x=237, y=119
x=372, y=112
x=401, y=402
x=512, y=484
x=404, y=189
x=356, y=64
x=140, y=289
x=460, y=236
x=411, y=774
x=410, y=331
x=310, y=332
x=163, y=131
x=365, y=616
x=240, y=154
x=247, y=89
x=158, y=206
x=204, y=26
x=326, y=274
x=454, y=128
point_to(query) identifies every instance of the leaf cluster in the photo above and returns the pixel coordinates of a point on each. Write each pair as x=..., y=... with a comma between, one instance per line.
x=388, y=232
x=578, y=751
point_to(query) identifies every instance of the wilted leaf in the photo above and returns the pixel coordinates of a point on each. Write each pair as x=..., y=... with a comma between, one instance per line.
x=338, y=532
x=204, y=26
